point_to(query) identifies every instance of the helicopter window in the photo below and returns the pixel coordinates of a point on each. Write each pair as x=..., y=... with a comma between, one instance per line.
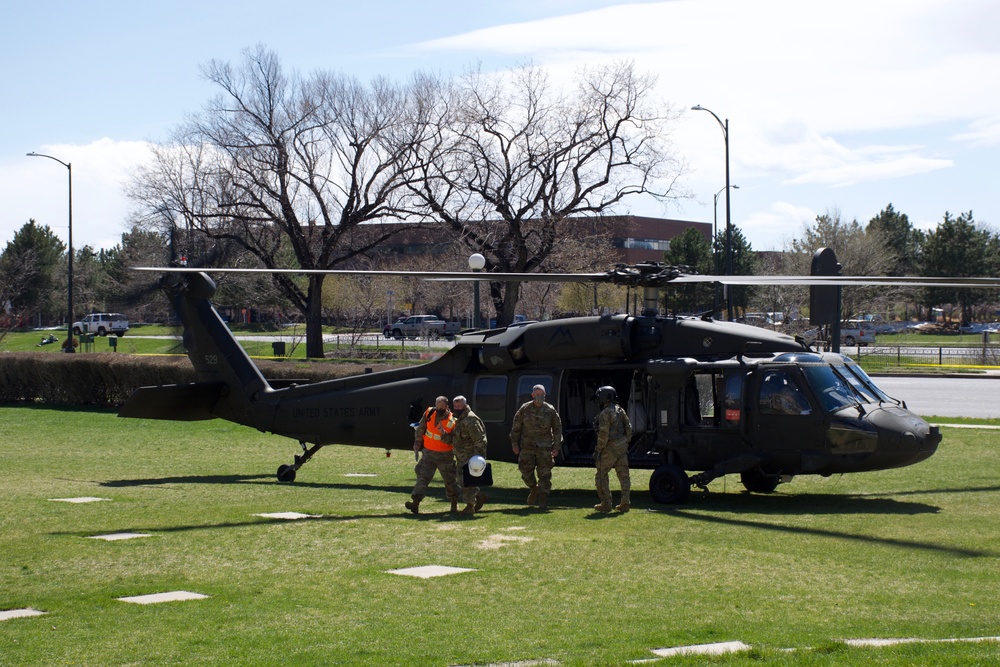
x=863, y=391
x=490, y=398
x=526, y=382
x=869, y=387
x=833, y=391
x=780, y=394
x=701, y=398
x=733, y=399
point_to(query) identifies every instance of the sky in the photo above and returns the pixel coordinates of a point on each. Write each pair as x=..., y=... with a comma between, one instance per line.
x=832, y=107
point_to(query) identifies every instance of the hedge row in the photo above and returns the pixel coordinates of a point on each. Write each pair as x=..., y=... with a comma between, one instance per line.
x=107, y=379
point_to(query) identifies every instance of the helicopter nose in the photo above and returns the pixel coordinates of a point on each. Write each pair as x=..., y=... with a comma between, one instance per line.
x=904, y=436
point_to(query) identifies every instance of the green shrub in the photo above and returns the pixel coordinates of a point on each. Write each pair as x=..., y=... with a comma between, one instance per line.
x=107, y=379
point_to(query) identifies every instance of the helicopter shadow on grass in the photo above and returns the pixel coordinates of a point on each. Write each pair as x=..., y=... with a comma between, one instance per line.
x=262, y=480
x=818, y=504
x=188, y=479
x=786, y=504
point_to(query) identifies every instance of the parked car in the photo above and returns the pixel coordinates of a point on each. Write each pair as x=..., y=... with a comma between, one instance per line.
x=851, y=333
x=387, y=329
x=102, y=324
x=424, y=326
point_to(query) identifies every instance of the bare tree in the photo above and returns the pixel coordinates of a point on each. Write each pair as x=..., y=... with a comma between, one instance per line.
x=515, y=157
x=290, y=168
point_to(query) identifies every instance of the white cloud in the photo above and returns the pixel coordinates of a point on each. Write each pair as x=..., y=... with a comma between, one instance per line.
x=859, y=171
x=982, y=133
x=37, y=188
x=769, y=229
x=794, y=77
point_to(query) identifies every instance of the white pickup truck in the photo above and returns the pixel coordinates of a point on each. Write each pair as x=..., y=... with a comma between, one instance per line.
x=102, y=324
x=852, y=333
x=424, y=326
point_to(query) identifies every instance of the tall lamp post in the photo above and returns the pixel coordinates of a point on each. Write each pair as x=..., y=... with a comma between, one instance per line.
x=477, y=263
x=729, y=225
x=69, y=323
x=715, y=224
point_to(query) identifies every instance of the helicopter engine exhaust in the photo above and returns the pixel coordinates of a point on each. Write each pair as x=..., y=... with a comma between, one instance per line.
x=606, y=337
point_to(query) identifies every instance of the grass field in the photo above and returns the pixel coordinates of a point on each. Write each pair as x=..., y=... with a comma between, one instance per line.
x=910, y=553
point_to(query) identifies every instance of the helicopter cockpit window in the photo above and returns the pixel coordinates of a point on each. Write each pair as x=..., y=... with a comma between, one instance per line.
x=834, y=392
x=866, y=385
x=780, y=394
x=490, y=398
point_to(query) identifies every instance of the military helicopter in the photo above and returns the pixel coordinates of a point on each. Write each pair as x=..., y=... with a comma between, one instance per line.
x=708, y=397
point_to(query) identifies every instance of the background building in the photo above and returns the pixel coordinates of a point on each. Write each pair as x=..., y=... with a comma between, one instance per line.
x=629, y=238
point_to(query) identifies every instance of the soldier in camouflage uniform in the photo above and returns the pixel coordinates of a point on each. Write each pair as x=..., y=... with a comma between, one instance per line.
x=468, y=439
x=536, y=438
x=614, y=432
x=433, y=436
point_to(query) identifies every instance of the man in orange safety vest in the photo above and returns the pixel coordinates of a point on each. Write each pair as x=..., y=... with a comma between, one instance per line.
x=432, y=435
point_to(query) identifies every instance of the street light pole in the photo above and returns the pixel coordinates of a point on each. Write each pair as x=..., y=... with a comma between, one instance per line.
x=476, y=262
x=729, y=225
x=715, y=233
x=69, y=323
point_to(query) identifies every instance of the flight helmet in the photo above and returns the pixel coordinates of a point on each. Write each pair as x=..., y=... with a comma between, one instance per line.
x=606, y=394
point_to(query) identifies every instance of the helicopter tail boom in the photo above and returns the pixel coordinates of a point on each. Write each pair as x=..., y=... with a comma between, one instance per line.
x=228, y=381
x=174, y=402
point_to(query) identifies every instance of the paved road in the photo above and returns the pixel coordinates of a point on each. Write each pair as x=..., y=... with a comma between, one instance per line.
x=946, y=396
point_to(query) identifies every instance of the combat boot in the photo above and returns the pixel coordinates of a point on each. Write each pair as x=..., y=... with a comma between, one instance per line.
x=543, y=501
x=468, y=510
x=624, y=506
x=414, y=505
x=533, y=495
x=454, y=507
x=481, y=499
x=603, y=507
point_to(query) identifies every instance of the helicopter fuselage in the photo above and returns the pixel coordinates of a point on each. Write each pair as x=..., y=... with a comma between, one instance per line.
x=704, y=396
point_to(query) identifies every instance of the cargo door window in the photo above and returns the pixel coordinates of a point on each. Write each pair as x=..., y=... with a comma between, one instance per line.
x=701, y=399
x=490, y=398
x=526, y=382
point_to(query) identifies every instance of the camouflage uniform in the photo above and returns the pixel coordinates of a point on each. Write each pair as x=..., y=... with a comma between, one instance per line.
x=468, y=439
x=432, y=461
x=537, y=430
x=614, y=432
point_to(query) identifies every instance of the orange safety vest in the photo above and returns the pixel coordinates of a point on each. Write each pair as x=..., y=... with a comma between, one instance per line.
x=435, y=430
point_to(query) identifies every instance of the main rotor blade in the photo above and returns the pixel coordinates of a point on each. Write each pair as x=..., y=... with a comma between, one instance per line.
x=623, y=276
x=425, y=275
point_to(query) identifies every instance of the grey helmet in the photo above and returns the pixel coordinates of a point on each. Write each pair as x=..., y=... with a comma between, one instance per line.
x=606, y=394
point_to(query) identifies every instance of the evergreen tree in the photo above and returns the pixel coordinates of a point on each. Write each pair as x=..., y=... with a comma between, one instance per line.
x=32, y=272
x=899, y=238
x=693, y=250
x=959, y=247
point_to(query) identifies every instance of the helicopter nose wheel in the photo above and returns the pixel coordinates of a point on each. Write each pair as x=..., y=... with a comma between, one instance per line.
x=286, y=473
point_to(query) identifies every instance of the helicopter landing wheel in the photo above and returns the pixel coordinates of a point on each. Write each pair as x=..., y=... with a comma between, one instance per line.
x=756, y=481
x=286, y=473
x=669, y=484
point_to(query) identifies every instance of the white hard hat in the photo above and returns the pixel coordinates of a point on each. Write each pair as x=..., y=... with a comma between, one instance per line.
x=477, y=464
